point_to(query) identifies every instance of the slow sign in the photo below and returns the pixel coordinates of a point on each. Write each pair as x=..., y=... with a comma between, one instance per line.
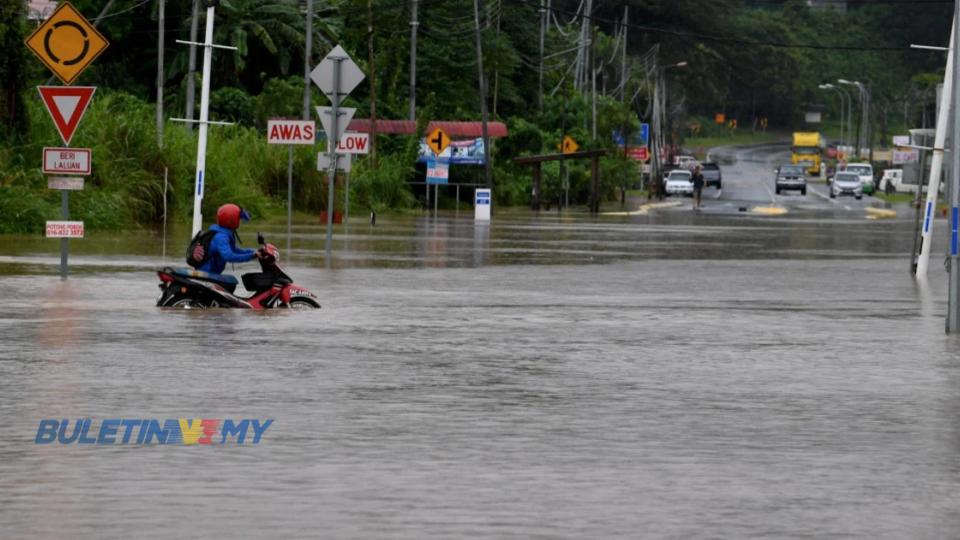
x=354, y=143
x=281, y=131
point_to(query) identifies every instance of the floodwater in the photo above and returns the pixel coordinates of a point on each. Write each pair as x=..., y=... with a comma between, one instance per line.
x=668, y=374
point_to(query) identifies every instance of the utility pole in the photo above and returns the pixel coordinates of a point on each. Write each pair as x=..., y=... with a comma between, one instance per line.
x=543, y=34
x=308, y=60
x=373, y=85
x=936, y=162
x=414, y=24
x=192, y=65
x=161, y=5
x=623, y=62
x=953, y=302
x=488, y=167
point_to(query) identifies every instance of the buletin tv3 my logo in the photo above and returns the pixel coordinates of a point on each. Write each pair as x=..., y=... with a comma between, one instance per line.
x=178, y=431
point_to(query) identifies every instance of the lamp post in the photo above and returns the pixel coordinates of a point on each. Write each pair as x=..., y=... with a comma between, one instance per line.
x=864, y=126
x=829, y=86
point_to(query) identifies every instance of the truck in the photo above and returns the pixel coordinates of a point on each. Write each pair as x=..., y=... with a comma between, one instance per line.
x=806, y=151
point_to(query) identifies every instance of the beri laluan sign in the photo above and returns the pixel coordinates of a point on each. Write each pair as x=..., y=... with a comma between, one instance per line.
x=66, y=161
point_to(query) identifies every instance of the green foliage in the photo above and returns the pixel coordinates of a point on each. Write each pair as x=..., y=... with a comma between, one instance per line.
x=385, y=186
x=13, y=69
x=232, y=105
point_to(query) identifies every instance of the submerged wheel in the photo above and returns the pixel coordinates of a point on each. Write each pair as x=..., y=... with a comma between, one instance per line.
x=185, y=302
x=303, y=303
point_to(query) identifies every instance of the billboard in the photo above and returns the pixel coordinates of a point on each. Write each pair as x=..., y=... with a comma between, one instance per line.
x=457, y=153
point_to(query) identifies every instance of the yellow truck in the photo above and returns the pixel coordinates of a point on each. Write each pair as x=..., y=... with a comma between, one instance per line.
x=806, y=151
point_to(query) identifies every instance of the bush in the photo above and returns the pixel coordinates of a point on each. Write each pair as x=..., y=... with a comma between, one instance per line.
x=384, y=187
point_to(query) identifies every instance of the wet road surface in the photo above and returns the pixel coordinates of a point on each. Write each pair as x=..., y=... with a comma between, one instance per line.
x=670, y=374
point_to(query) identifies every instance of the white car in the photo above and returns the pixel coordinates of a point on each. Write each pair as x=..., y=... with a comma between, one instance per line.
x=679, y=182
x=846, y=183
x=687, y=162
x=865, y=172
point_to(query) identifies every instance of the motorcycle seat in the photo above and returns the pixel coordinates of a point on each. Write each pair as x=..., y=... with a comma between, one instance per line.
x=226, y=280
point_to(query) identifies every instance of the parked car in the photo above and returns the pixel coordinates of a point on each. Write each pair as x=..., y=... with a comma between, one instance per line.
x=895, y=181
x=865, y=172
x=711, y=174
x=686, y=162
x=791, y=177
x=846, y=183
x=679, y=182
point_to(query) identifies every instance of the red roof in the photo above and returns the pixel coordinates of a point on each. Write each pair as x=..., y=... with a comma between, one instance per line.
x=461, y=130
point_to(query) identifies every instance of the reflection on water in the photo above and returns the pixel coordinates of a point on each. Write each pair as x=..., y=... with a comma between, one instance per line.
x=648, y=376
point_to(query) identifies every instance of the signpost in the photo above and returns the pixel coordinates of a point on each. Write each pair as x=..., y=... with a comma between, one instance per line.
x=336, y=76
x=66, y=43
x=290, y=132
x=354, y=143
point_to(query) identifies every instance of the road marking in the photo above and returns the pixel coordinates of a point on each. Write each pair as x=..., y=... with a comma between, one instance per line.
x=644, y=209
x=769, y=210
x=880, y=213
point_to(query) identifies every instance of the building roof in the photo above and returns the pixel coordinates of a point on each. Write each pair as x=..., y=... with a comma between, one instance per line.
x=456, y=130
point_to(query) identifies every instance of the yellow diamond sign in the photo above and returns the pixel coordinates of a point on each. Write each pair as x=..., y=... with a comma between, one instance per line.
x=66, y=43
x=569, y=145
x=438, y=140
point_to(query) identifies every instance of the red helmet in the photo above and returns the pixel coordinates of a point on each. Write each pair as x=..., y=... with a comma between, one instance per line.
x=229, y=216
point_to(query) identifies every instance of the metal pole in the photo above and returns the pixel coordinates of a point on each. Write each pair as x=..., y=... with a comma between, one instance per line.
x=623, y=66
x=488, y=167
x=414, y=24
x=953, y=303
x=64, y=242
x=332, y=139
x=165, y=183
x=936, y=162
x=161, y=4
x=436, y=199
x=204, y=116
x=192, y=63
x=346, y=195
x=289, y=195
x=543, y=33
x=307, y=61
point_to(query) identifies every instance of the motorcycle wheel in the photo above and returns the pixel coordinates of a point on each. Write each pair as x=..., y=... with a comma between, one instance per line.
x=303, y=303
x=185, y=302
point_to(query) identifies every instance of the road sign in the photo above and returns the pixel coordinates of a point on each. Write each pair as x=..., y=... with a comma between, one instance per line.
x=569, y=145
x=350, y=74
x=639, y=153
x=438, y=171
x=66, y=183
x=281, y=131
x=66, y=160
x=66, y=43
x=353, y=143
x=343, y=162
x=438, y=140
x=482, y=199
x=64, y=229
x=326, y=120
x=644, y=134
x=66, y=105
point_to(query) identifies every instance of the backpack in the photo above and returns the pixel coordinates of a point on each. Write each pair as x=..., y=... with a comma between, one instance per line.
x=198, y=252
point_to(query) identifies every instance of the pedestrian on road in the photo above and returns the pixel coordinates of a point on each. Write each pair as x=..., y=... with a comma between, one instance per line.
x=697, y=186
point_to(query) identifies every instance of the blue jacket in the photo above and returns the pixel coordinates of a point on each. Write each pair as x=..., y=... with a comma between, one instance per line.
x=223, y=249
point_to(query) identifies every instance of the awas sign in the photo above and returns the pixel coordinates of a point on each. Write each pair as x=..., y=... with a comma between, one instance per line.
x=354, y=143
x=64, y=229
x=66, y=161
x=281, y=131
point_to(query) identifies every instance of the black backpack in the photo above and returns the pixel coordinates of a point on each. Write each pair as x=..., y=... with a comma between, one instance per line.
x=198, y=252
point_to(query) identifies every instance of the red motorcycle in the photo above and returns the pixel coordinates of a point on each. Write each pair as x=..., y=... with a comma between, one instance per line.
x=271, y=287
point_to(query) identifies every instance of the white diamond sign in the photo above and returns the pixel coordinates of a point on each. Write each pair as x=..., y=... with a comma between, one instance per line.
x=326, y=120
x=350, y=74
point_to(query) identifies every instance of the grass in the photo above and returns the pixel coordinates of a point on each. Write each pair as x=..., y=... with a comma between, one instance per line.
x=896, y=198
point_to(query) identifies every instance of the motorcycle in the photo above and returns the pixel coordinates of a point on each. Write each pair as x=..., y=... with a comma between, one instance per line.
x=271, y=287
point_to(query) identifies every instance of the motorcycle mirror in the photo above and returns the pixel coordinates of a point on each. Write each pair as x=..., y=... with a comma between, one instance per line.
x=260, y=239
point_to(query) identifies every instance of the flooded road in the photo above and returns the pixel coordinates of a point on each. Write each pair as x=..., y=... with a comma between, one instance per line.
x=666, y=374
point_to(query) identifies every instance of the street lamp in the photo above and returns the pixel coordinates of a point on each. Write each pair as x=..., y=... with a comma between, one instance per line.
x=829, y=86
x=864, y=125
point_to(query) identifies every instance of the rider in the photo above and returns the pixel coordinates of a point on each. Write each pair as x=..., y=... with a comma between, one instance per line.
x=223, y=247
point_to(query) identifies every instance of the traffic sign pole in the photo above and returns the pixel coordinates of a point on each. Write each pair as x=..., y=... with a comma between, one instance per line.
x=289, y=196
x=64, y=242
x=332, y=139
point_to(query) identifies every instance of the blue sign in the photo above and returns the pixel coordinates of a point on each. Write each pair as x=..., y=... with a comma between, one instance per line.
x=644, y=134
x=438, y=171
